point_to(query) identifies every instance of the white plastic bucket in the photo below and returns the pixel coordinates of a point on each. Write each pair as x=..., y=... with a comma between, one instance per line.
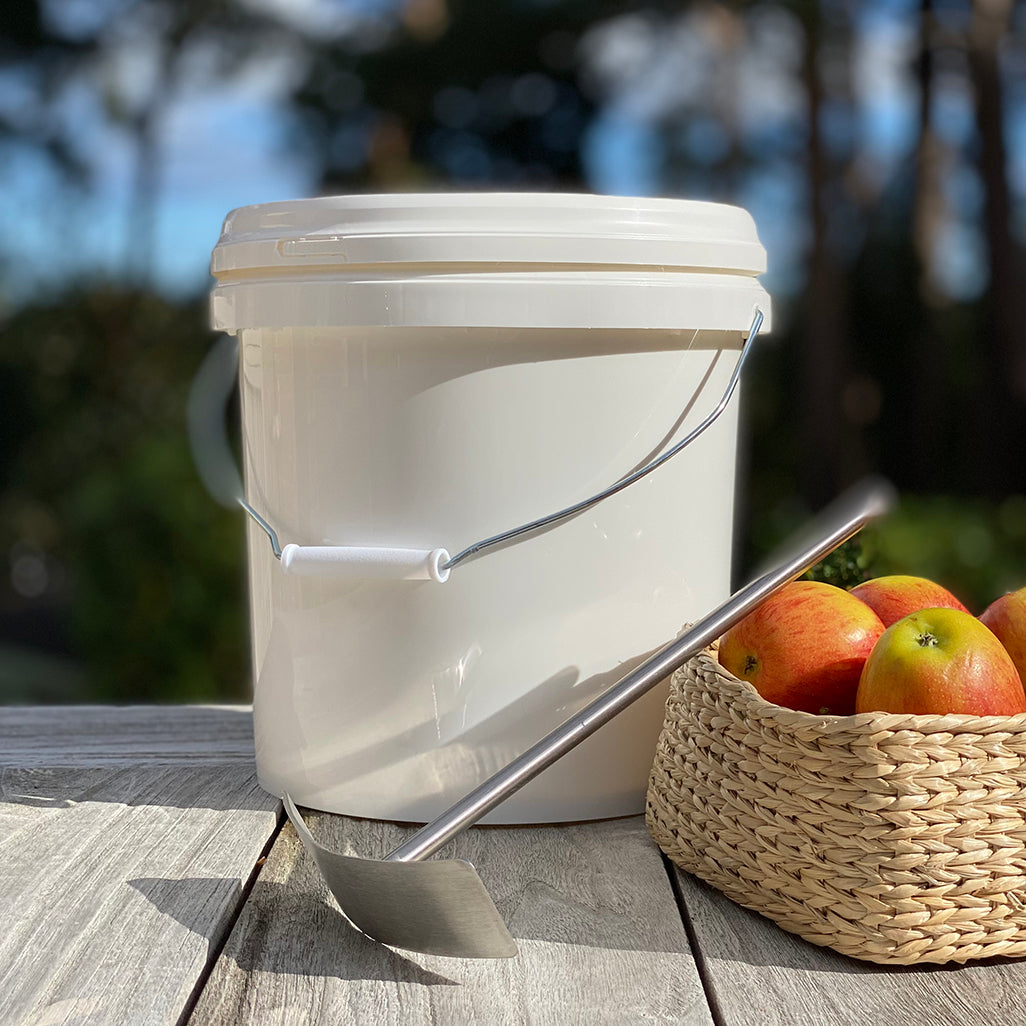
x=424, y=371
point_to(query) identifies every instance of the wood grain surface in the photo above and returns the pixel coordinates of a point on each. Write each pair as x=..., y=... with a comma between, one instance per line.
x=131, y=891
x=84, y=735
x=755, y=973
x=125, y=846
x=590, y=907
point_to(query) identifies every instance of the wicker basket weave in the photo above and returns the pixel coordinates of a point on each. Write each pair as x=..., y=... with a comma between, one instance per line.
x=895, y=839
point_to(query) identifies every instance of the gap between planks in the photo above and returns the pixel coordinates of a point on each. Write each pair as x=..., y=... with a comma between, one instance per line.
x=701, y=965
x=218, y=944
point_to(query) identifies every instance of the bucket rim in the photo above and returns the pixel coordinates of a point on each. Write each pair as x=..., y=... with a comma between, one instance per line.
x=541, y=229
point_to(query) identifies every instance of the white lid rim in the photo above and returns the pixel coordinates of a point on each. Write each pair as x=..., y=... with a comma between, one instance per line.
x=564, y=229
x=621, y=301
x=503, y=252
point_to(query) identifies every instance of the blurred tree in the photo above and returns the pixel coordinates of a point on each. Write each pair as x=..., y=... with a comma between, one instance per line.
x=828, y=462
x=42, y=60
x=887, y=353
x=461, y=92
x=112, y=542
x=928, y=212
x=174, y=41
x=136, y=56
x=1003, y=329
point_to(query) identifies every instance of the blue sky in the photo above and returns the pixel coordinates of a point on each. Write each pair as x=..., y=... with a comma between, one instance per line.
x=229, y=147
x=220, y=152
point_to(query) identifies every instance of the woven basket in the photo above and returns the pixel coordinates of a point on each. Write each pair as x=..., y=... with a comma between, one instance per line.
x=895, y=839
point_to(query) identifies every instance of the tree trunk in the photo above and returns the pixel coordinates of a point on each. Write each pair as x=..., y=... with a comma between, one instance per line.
x=927, y=398
x=1002, y=431
x=141, y=223
x=824, y=352
x=929, y=204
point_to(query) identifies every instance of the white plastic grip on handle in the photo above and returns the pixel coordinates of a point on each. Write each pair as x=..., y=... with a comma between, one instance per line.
x=365, y=562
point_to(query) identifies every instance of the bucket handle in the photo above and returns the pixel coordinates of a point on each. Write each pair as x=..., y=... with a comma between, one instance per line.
x=436, y=564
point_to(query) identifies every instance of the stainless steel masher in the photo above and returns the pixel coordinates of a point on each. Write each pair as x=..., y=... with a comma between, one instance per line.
x=441, y=906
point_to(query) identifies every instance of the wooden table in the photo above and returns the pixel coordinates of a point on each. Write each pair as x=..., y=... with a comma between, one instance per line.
x=146, y=878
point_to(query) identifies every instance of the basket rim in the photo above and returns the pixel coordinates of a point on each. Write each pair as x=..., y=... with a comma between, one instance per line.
x=949, y=723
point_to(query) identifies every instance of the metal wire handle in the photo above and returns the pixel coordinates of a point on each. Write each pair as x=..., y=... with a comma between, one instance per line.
x=261, y=522
x=578, y=507
x=624, y=482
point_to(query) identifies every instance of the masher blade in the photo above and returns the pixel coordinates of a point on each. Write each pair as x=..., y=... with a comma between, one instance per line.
x=440, y=907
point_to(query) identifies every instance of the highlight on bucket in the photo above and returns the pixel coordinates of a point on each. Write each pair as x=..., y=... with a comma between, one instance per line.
x=489, y=460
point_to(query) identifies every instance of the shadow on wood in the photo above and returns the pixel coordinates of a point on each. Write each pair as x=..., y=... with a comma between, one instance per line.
x=322, y=941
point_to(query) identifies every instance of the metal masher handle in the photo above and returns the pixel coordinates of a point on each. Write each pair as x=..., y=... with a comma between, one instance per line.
x=842, y=519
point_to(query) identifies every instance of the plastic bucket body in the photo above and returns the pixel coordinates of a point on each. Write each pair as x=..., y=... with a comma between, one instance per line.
x=445, y=382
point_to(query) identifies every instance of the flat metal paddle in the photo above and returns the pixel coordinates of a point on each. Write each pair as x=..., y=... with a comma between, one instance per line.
x=442, y=907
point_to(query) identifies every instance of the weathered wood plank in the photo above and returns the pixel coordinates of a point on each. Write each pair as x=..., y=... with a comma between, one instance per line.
x=119, y=877
x=91, y=735
x=589, y=905
x=757, y=973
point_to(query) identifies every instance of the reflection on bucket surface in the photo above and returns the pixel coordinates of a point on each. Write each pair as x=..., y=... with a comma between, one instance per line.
x=378, y=410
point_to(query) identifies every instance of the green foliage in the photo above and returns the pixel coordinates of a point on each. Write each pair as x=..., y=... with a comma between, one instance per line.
x=976, y=548
x=869, y=367
x=440, y=102
x=844, y=567
x=101, y=486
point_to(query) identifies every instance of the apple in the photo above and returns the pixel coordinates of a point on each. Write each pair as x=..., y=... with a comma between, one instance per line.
x=939, y=661
x=897, y=595
x=1006, y=617
x=804, y=647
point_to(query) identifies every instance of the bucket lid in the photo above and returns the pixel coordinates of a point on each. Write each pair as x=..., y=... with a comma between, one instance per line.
x=510, y=260
x=475, y=228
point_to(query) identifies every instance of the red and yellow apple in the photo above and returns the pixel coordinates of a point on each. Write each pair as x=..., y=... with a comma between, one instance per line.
x=1006, y=617
x=804, y=647
x=896, y=595
x=939, y=661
